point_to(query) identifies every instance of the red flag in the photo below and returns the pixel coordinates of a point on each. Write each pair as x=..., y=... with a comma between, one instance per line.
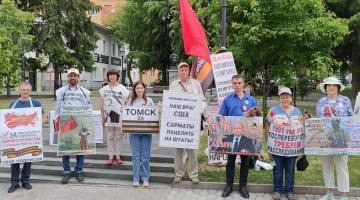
x=193, y=34
x=69, y=125
x=202, y=71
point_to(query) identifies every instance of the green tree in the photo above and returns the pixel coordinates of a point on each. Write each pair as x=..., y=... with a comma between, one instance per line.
x=65, y=33
x=144, y=26
x=14, y=27
x=275, y=38
x=349, y=50
x=303, y=84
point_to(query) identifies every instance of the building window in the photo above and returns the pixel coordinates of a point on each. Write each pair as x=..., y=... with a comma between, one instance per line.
x=114, y=49
x=94, y=74
x=93, y=11
x=104, y=73
x=112, y=11
x=104, y=46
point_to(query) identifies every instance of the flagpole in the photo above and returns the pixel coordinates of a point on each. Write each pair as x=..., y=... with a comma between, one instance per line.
x=223, y=28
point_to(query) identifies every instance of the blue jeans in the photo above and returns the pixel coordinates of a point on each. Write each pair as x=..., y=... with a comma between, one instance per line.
x=289, y=164
x=140, y=150
x=25, y=173
x=79, y=164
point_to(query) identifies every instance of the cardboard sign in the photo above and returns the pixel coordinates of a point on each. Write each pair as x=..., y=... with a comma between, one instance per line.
x=77, y=133
x=332, y=136
x=21, y=135
x=236, y=135
x=286, y=140
x=212, y=109
x=180, y=120
x=224, y=69
x=140, y=119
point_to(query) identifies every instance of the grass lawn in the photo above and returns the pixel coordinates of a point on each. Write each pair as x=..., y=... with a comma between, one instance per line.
x=312, y=176
x=298, y=100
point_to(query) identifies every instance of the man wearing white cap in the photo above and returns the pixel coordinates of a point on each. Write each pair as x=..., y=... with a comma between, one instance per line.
x=72, y=95
x=189, y=85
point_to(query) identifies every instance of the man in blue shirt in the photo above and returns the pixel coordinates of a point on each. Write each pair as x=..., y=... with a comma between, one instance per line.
x=237, y=104
x=25, y=101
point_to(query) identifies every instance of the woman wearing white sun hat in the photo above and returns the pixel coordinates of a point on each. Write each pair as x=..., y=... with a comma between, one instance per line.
x=334, y=105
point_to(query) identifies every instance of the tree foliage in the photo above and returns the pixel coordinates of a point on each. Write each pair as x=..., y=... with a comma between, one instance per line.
x=144, y=25
x=276, y=38
x=14, y=27
x=65, y=33
x=349, y=50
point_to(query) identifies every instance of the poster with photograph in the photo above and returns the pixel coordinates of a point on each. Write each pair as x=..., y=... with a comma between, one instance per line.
x=77, y=133
x=332, y=136
x=212, y=109
x=141, y=119
x=21, y=135
x=236, y=135
x=180, y=120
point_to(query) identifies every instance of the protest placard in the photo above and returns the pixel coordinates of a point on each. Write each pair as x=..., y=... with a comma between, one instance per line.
x=140, y=119
x=97, y=127
x=211, y=110
x=332, y=136
x=236, y=135
x=286, y=140
x=224, y=69
x=76, y=134
x=21, y=135
x=180, y=120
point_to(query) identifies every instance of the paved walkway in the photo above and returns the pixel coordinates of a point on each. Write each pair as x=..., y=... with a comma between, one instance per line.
x=91, y=192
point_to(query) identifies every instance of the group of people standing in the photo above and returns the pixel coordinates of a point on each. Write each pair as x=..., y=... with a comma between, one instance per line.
x=114, y=96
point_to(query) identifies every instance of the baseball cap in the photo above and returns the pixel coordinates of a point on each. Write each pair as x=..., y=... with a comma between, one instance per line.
x=285, y=90
x=182, y=64
x=73, y=70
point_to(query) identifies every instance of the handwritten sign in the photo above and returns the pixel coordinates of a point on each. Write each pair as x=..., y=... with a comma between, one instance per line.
x=286, y=140
x=224, y=69
x=180, y=120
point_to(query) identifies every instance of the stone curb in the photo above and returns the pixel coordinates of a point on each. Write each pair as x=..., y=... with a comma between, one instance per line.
x=263, y=188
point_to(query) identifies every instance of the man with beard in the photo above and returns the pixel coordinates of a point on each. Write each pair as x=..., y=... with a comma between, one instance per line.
x=73, y=95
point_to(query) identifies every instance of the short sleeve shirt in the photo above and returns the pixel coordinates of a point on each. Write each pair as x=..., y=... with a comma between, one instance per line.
x=234, y=106
x=278, y=116
x=26, y=104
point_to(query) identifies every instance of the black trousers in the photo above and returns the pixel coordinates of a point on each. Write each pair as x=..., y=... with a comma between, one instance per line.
x=230, y=170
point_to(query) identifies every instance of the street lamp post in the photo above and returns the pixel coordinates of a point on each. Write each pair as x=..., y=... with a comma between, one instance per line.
x=122, y=54
x=223, y=28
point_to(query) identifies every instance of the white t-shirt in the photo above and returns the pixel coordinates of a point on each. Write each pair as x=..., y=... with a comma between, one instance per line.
x=112, y=105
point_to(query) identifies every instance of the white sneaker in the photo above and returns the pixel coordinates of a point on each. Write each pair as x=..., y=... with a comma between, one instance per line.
x=136, y=183
x=326, y=197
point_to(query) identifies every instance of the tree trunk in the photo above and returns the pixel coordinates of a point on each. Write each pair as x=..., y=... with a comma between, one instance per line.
x=266, y=88
x=164, y=74
x=8, y=93
x=129, y=73
x=56, y=79
x=355, y=65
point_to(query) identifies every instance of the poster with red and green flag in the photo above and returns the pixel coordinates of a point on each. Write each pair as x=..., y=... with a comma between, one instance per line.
x=77, y=135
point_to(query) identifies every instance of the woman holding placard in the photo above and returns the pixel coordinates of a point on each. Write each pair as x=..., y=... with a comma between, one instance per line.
x=283, y=115
x=113, y=97
x=334, y=105
x=140, y=143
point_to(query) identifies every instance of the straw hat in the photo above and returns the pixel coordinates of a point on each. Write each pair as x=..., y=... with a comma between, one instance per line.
x=331, y=80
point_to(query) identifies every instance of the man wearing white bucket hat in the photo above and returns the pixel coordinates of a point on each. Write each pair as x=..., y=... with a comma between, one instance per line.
x=334, y=105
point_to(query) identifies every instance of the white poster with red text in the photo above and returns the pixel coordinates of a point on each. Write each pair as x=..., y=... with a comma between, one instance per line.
x=21, y=135
x=286, y=140
x=224, y=69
